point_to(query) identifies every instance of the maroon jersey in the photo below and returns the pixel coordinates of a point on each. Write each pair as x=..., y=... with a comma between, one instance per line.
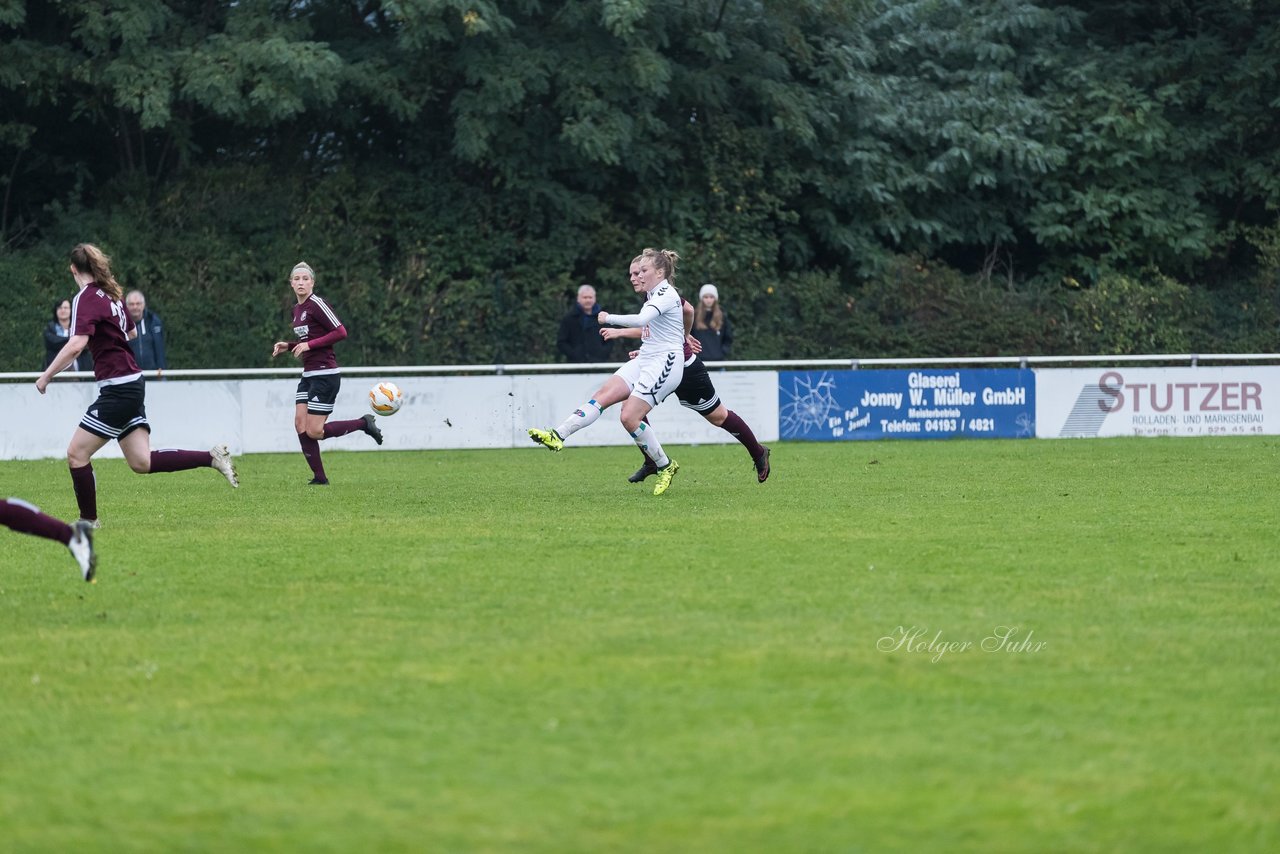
x=316, y=324
x=107, y=324
x=688, y=351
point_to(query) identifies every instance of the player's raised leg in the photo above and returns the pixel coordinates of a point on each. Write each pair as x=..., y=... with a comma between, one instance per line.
x=136, y=445
x=364, y=424
x=615, y=388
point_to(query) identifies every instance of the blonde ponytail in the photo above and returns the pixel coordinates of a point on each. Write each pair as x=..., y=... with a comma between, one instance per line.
x=664, y=260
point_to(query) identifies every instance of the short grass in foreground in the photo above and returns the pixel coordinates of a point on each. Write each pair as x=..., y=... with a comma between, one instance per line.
x=519, y=650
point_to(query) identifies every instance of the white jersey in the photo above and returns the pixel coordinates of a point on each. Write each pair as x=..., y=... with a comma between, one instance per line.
x=661, y=321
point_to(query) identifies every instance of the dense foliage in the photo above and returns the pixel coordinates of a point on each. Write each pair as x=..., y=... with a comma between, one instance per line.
x=867, y=177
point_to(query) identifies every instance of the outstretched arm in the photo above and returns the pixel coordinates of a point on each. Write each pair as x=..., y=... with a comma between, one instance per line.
x=611, y=334
x=74, y=346
x=647, y=315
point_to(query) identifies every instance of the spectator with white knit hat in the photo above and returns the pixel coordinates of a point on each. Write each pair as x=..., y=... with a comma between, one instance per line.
x=711, y=326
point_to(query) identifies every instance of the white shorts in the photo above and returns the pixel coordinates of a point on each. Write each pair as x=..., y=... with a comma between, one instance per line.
x=652, y=377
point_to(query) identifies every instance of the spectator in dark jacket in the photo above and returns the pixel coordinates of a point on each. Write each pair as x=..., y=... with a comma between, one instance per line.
x=56, y=335
x=579, y=338
x=148, y=347
x=711, y=326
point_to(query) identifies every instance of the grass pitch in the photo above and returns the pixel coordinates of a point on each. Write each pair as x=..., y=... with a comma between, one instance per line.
x=514, y=650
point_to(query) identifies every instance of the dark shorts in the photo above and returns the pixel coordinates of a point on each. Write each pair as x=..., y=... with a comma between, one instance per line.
x=319, y=393
x=696, y=391
x=118, y=411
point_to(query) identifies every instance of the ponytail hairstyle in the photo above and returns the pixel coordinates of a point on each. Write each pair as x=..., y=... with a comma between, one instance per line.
x=663, y=259
x=88, y=258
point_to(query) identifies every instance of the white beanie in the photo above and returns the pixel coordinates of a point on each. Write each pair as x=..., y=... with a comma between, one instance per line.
x=709, y=289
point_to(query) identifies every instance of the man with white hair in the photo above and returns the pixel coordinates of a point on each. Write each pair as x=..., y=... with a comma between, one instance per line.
x=579, y=337
x=148, y=347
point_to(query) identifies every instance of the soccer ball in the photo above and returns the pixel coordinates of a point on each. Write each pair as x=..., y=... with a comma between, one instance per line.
x=386, y=398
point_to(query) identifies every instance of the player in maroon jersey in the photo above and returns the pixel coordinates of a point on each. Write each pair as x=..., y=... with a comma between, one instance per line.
x=318, y=329
x=696, y=392
x=100, y=322
x=25, y=518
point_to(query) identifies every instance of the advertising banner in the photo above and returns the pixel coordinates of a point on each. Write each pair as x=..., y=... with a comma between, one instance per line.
x=915, y=404
x=1091, y=402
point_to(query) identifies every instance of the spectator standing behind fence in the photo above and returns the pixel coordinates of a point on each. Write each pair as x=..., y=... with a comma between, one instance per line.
x=579, y=338
x=711, y=326
x=148, y=347
x=56, y=335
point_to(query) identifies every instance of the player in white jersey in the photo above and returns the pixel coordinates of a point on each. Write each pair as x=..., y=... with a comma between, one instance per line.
x=643, y=382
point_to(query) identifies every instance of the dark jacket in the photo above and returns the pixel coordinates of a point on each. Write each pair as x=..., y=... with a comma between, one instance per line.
x=579, y=337
x=717, y=346
x=148, y=347
x=55, y=338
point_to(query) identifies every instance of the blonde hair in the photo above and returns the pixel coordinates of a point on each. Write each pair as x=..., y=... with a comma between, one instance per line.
x=88, y=258
x=663, y=259
x=303, y=265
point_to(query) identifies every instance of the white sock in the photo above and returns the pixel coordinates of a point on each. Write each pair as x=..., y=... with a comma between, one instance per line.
x=648, y=442
x=584, y=416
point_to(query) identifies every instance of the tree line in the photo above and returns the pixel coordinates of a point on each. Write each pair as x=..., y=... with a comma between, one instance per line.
x=860, y=178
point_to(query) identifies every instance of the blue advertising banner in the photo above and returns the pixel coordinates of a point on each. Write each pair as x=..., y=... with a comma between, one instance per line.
x=915, y=404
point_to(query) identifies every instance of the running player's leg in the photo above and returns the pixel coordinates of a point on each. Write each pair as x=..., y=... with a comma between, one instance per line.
x=136, y=445
x=647, y=468
x=363, y=424
x=310, y=429
x=117, y=410
x=659, y=377
x=697, y=392
x=693, y=382
x=309, y=438
x=128, y=412
x=732, y=423
x=642, y=433
x=634, y=410
x=324, y=393
x=27, y=518
x=82, y=448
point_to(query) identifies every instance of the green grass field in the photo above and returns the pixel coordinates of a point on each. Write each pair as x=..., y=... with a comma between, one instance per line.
x=519, y=651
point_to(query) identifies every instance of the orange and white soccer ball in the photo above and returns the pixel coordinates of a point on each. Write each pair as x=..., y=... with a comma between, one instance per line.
x=386, y=398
